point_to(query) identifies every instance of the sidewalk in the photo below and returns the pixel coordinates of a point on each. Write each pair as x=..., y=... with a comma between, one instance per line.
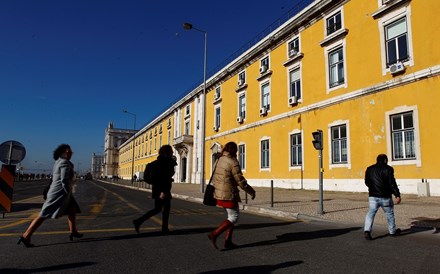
x=343, y=207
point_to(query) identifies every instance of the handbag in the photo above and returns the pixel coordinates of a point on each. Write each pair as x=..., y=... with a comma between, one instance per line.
x=208, y=198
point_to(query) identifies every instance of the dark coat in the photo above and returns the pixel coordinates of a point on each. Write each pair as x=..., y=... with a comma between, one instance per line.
x=163, y=176
x=379, y=178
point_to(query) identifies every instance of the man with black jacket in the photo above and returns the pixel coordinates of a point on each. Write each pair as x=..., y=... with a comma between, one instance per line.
x=381, y=184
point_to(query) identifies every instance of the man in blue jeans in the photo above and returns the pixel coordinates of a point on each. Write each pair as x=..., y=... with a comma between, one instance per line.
x=381, y=184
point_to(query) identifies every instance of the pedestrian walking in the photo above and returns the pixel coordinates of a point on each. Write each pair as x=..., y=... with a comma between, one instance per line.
x=60, y=200
x=381, y=184
x=226, y=179
x=162, y=171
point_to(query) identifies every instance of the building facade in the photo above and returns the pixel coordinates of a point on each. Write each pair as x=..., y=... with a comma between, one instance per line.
x=366, y=73
x=114, y=138
x=97, y=169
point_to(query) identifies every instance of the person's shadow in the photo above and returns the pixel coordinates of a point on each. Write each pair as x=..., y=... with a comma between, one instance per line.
x=254, y=268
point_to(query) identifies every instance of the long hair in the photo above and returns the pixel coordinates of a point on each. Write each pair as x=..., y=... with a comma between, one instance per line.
x=60, y=151
x=232, y=148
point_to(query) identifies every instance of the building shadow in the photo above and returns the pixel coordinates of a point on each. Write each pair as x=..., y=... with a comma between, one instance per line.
x=25, y=206
x=54, y=268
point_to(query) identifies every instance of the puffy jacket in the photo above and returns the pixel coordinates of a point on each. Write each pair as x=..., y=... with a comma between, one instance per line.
x=379, y=178
x=227, y=177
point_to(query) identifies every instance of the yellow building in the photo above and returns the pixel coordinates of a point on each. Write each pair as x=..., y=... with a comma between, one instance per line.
x=366, y=73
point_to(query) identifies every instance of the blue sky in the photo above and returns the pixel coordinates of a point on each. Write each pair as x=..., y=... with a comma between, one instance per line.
x=69, y=67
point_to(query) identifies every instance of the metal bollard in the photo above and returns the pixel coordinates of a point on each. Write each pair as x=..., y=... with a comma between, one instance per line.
x=271, y=193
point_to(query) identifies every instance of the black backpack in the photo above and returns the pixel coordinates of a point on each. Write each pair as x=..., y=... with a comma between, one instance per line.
x=149, y=172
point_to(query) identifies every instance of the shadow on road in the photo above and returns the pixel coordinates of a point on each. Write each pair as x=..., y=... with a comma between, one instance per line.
x=60, y=267
x=25, y=206
x=302, y=236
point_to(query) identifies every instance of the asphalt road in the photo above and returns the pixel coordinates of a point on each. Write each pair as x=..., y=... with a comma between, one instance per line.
x=267, y=245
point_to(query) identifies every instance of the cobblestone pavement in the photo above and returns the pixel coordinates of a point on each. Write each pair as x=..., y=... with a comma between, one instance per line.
x=343, y=207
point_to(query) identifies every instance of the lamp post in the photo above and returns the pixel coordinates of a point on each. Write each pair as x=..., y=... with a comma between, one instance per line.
x=188, y=26
x=134, y=133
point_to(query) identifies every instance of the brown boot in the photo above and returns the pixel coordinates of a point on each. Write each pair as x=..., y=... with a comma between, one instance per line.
x=228, y=239
x=219, y=230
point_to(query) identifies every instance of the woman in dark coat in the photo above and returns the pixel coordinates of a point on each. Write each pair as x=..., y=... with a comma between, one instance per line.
x=162, y=177
x=60, y=200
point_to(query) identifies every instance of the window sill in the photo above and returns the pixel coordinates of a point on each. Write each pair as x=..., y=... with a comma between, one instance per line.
x=264, y=75
x=240, y=88
x=387, y=8
x=216, y=101
x=339, y=34
x=294, y=58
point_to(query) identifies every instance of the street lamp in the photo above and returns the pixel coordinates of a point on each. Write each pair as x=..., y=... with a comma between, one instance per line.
x=134, y=133
x=188, y=26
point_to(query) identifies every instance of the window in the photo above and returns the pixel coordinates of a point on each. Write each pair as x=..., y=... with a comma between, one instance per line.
x=217, y=117
x=264, y=65
x=295, y=83
x=265, y=154
x=336, y=67
x=265, y=96
x=295, y=150
x=187, y=127
x=242, y=105
x=293, y=47
x=402, y=135
x=242, y=78
x=334, y=23
x=396, y=37
x=242, y=156
x=339, y=144
x=187, y=110
x=218, y=93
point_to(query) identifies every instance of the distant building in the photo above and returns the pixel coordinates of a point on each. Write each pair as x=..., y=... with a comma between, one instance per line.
x=97, y=166
x=114, y=137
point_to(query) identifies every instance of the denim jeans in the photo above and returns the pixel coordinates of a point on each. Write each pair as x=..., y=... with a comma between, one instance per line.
x=374, y=203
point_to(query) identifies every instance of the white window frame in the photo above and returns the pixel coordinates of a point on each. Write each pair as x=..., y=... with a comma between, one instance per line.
x=265, y=138
x=331, y=15
x=261, y=95
x=217, y=118
x=187, y=110
x=385, y=20
x=292, y=41
x=329, y=144
x=401, y=109
x=296, y=132
x=242, y=158
x=187, y=128
x=239, y=95
x=242, y=75
x=330, y=48
x=218, y=93
x=265, y=61
x=296, y=66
